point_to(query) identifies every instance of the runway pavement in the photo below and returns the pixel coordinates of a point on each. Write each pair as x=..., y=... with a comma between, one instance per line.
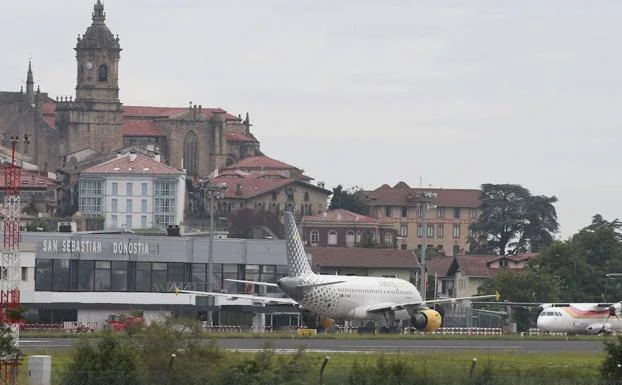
x=37, y=345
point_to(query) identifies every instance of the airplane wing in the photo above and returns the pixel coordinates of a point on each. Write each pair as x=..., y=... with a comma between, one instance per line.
x=399, y=306
x=252, y=282
x=263, y=299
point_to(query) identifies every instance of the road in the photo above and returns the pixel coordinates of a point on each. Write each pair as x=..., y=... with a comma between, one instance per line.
x=38, y=345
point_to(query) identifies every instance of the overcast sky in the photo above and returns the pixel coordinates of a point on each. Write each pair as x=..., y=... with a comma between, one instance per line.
x=362, y=92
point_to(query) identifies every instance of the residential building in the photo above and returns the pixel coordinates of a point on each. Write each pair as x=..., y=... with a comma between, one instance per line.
x=343, y=228
x=38, y=194
x=373, y=262
x=446, y=224
x=271, y=192
x=133, y=191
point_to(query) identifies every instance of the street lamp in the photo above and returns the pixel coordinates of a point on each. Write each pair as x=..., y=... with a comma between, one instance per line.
x=211, y=191
x=425, y=201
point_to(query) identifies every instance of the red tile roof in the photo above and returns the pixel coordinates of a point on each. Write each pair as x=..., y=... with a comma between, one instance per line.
x=141, y=164
x=362, y=257
x=141, y=127
x=339, y=216
x=250, y=186
x=401, y=194
x=439, y=265
x=240, y=137
x=261, y=161
x=30, y=180
x=167, y=112
x=473, y=266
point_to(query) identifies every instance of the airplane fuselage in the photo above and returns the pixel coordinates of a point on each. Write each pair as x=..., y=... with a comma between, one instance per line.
x=351, y=297
x=578, y=318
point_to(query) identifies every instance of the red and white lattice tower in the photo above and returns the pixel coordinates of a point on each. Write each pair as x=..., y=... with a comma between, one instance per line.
x=10, y=265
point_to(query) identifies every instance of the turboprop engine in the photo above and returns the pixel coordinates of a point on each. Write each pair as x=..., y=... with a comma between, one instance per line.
x=427, y=320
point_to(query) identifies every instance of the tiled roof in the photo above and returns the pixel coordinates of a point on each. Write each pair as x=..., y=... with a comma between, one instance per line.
x=166, y=112
x=473, y=266
x=260, y=161
x=141, y=127
x=514, y=258
x=362, y=257
x=30, y=180
x=339, y=216
x=250, y=187
x=401, y=194
x=125, y=165
x=240, y=137
x=439, y=265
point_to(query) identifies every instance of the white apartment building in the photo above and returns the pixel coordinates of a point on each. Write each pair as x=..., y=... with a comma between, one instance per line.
x=133, y=191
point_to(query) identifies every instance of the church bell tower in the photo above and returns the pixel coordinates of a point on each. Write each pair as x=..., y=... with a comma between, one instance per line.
x=95, y=118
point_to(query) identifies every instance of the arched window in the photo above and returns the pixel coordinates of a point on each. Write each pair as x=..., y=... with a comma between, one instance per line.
x=314, y=238
x=350, y=238
x=332, y=238
x=190, y=153
x=102, y=74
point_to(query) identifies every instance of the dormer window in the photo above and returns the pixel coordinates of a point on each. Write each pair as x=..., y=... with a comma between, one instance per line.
x=103, y=73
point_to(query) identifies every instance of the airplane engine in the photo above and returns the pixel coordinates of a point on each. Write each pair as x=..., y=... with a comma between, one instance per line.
x=427, y=320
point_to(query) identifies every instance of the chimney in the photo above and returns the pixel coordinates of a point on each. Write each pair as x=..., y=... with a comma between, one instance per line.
x=119, y=155
x=156, y=157
x=132, y=156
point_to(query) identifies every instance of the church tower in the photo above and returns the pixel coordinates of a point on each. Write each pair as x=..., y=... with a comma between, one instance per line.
x=95, y=118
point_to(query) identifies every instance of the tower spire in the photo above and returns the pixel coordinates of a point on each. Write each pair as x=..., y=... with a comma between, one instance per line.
x=30, y=84
x=99, y=16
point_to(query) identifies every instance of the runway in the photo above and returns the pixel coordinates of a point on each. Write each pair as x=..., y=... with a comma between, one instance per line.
x=37, y=345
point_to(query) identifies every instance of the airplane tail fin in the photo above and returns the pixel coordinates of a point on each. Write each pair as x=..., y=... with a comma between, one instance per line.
x=296, y=257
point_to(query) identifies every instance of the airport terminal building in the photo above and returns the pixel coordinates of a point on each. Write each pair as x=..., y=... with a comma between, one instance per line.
x=87, y=277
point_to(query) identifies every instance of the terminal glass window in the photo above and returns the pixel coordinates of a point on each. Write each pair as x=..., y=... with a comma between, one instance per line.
x=281, y=271
x=158, y=276
x=176, y=273
x=199, y=274
x=86, y=275
x=251, y=273
x=118, y=276
x=143, y=276
x=268, y=274
x=43, y=275
x=229, y=271
x=102, y=276
x=61, y=275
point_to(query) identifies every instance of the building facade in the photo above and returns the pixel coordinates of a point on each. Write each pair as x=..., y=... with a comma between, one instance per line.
x=133, y=191
x=196, y=138
x=444, y=226
x=343, y=228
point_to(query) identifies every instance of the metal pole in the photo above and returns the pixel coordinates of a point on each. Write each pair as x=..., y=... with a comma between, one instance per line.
x=424, y=274
x=210, y=259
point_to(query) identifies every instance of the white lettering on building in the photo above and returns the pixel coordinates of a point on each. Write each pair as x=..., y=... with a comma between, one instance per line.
x=130, y=248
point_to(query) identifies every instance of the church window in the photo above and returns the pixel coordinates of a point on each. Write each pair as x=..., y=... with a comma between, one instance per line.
x=190, y=153
x=103, y=73
x=332, y=238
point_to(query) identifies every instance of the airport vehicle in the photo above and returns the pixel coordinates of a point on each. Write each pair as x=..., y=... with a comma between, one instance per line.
x=345, y=297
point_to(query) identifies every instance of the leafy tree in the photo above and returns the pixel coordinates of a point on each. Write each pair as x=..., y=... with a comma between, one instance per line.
x=7, y=341
x=513, y=220
x=610, y=370
x=111, y=361
x=242, y=222
x=368, y=241
x=583, y=261
x=347, y=199
x=524, y=286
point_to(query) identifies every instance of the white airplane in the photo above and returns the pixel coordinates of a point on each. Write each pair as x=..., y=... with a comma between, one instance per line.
x=580, y=318
x=345, y=297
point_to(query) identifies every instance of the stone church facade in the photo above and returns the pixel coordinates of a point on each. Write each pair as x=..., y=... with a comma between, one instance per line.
x=195, y=138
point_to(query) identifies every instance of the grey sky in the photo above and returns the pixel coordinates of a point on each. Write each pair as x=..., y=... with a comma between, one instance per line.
x=363, y=92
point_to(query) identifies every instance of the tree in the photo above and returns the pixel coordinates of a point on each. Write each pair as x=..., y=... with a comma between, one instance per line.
x=524, y=286
x=368, y=241
x=513, y=220
x=7, y=341
x=348, y=199
x=583, y=261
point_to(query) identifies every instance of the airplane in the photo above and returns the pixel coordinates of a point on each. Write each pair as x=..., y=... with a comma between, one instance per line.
x=345, y=297
x=580, y=318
